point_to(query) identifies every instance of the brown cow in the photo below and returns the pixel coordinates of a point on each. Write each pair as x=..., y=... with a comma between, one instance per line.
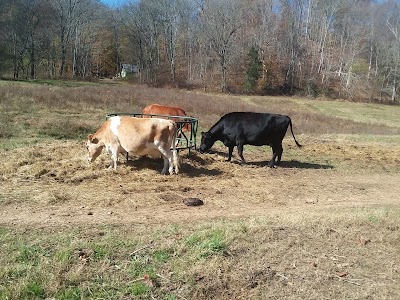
x=157, y=109
x=123, y=134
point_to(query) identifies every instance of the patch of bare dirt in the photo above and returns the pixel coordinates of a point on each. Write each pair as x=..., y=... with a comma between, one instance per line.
x=53, y=185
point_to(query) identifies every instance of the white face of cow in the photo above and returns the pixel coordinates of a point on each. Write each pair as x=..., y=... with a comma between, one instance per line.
x=93, y=148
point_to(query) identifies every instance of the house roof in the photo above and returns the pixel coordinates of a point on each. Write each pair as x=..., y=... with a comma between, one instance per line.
x=129, y=67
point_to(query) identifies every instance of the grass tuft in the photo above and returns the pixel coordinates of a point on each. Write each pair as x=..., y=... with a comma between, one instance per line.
x=69, y=293
x=162, y=256
x=28, y=254
x=138, y=289
x=208, y=243
x=33, y=290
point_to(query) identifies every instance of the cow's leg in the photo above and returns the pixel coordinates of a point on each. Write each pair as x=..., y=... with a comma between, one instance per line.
x=175, y=158
x=113, y=151
x=167, y=166
x=170, y=159
x=279, y=151
x=271, y=163
x=240, y=152
x=167, y=156
x=230, y=151
x=276, y=155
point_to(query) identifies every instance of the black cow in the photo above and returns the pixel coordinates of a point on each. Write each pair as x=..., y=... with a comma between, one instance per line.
x=249, y=128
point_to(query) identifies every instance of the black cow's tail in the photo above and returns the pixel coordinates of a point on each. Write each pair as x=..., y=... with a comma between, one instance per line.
x=291, y=129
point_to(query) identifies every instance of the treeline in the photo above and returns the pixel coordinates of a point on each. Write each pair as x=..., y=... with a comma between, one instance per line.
x=339, y=48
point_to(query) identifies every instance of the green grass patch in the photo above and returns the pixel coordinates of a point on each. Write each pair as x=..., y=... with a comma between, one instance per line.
x=207, y=243
x=28, y=254
x=101, y=252
x=140, y=266
x=138, y=289
x=63, y=255
x=33, y=290
x=361, y=138
x=357, y=112
x=69, y=293
x=161, y=256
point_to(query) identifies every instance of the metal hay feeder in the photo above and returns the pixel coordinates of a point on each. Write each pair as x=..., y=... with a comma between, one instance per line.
x=186, y=139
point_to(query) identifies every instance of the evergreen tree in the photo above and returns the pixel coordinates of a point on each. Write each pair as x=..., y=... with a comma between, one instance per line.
x=253, y=70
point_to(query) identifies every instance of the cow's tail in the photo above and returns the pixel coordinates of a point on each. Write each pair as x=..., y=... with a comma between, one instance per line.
x=175, y=154
x=291, y=130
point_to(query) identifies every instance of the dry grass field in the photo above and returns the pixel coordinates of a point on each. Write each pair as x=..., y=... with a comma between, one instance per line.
x=324, y=225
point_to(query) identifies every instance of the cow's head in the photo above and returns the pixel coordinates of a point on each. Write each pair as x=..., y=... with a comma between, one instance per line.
x=93, y=147
x=207, y=141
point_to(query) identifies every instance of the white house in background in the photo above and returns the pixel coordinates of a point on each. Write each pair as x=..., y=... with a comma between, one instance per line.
x=127, y=68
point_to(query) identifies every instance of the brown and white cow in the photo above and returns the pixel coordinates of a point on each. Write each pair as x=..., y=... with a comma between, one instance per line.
x=139, y=136
x=164, y=110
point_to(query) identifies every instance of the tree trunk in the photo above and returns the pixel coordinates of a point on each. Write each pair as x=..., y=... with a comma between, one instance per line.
x=63, y=54
x=223, y=72
x=33, y=62
x=15, y=63
x=394, y=85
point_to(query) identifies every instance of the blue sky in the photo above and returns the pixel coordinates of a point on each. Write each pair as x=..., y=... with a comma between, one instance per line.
x=114, y=3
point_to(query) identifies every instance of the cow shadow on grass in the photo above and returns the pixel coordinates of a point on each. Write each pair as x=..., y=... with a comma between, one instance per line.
x=284, y=163
x=304, y=165
x=291, y=164
x=191, y=166
x=144, y=162
x=194, y=166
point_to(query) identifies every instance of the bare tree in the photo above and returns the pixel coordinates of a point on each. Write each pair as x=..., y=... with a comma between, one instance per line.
x=69, y=14
x=352, y=33
x=17, y=35
x=143, y=25
x=264, y=29
x=170, y=21
x=86, y=31
x=221, y=20
x=393, y=24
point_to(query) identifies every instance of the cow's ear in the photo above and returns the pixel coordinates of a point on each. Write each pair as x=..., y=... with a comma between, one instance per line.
x=92, y=139
x=203, y=133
